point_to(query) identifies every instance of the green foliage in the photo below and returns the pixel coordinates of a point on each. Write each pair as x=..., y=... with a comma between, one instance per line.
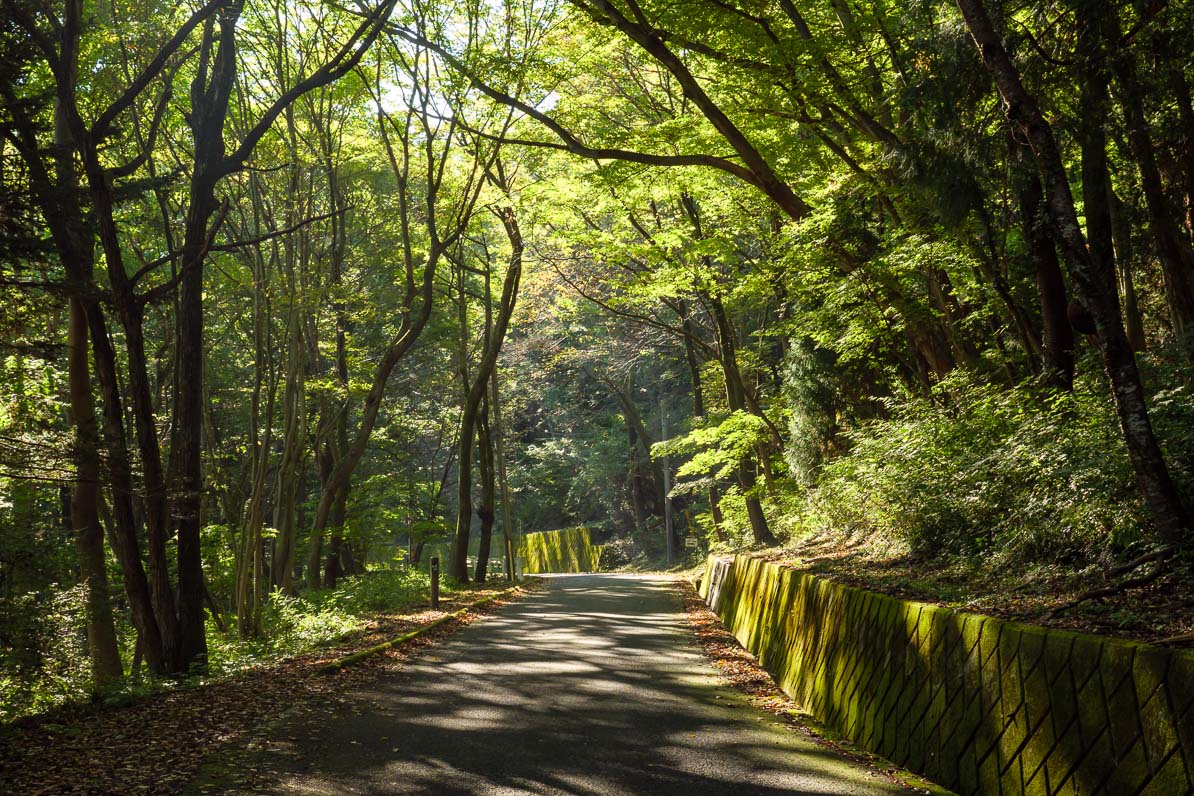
x=811, y=391
x=43, y=657
x=297, y=623
x=735, y=522
x=1031, y=475
x=294, y=624
x=377, y=591
x=715, y=447
x=574, y=478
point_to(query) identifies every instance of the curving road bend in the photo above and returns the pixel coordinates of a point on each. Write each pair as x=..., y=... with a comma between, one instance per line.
x=587, y=687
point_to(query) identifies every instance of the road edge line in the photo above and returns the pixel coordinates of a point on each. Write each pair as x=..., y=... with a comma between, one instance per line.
x=348, y=660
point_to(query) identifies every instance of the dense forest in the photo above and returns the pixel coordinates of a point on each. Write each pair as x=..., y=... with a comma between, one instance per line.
x=292, y=290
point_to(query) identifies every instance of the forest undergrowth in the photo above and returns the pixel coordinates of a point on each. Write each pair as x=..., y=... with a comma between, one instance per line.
x=378, y=604
x=1011, y=501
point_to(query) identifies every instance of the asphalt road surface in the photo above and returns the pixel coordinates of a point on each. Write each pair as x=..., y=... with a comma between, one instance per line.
x=588, y=687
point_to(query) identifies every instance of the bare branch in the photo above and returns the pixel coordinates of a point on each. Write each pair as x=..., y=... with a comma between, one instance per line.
x=155, y=124
x=239, y=244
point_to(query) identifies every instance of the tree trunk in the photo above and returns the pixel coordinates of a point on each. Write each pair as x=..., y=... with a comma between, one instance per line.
x=338, y=548
x=1121, y=229
x=485, y=511
x=645, y=475
x=693, y=361
x=316, y=572
x=76, y=253
x=84, y=508
x=293, y=440
x=480, y=384
x=1057, y=337
x=186, y=444
x=715, y=515
x=58, y=199
x=128, y=547
x=250, y=564
x=728, y=357
x=1177, y=261
x=1174, y=66
x=498, y=432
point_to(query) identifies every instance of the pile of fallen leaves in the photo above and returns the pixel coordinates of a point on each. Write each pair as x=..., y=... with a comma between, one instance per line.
x=156, y=745
x=741, y=670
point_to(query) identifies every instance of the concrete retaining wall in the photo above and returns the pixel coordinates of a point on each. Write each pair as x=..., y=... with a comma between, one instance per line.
x=976, y=704
x=567, y=550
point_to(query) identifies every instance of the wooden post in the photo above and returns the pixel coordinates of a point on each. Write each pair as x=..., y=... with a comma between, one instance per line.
x=434, y=583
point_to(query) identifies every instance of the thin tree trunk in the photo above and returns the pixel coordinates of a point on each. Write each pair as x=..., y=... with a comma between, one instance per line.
x=294, y=411
x=644, y=474
x=728, y=357
x=498, y=432
x=249, y=571
x=635, y=481
x=338, y=548
x=485, y=511
x=1177, y=261
x=1057, y=337
x=464, y=457
x=293, y=439
x=693, y=361
x=477, y=390
x=1121, y=228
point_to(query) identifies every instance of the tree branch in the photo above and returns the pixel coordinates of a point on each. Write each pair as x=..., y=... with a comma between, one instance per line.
x=103, y=124
x=345, y=59
x=572, y=143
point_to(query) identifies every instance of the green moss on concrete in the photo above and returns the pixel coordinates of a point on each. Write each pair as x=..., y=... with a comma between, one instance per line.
x=977, y=704
x=567, y=550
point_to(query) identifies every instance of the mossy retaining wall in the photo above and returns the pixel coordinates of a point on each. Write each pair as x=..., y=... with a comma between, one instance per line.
x=567, y=550
x=976, y=704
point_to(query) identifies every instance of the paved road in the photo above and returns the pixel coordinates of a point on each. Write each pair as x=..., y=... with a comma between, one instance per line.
x=589, y=687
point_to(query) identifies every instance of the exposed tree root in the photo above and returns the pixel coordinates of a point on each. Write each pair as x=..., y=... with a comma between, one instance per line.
x=1183, y=638
x=1158, y=558
x=1136, y=563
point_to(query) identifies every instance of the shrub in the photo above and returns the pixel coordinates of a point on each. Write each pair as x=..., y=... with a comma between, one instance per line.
x=43, y=651
x=374, y=592
x=1032, y=474
x=296, y=624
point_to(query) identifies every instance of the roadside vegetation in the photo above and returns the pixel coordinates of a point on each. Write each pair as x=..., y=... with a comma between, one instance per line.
x=59, y=675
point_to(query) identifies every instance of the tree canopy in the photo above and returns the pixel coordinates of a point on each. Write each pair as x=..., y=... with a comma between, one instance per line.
x=291, y=291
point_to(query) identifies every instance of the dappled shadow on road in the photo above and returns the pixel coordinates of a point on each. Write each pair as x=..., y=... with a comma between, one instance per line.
x=586, y=688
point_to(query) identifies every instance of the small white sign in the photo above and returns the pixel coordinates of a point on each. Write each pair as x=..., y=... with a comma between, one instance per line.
x=690, y=542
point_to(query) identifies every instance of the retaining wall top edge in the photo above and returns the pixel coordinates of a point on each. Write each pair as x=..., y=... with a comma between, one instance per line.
x=1018, y=626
